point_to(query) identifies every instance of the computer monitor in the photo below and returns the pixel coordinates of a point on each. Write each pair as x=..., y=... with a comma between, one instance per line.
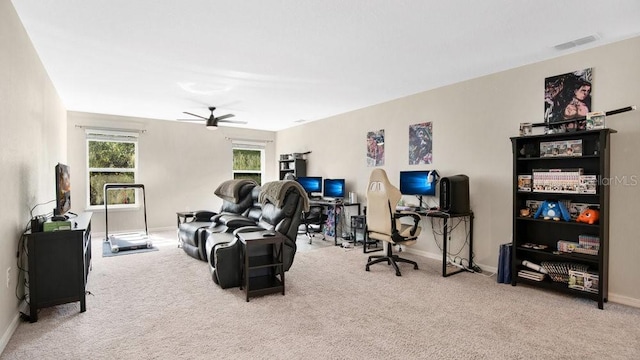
x=420, y=182
x=334, y=188
x=310, y=184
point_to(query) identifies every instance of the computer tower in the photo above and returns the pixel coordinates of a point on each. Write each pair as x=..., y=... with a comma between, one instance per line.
x=454, y=194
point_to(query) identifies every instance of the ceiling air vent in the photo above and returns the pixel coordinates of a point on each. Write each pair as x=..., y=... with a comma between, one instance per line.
x=577, y=42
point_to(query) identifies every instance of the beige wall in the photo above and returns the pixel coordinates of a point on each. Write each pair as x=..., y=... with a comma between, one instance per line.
x=32, y=140
x=472, y=123
x=180, y=165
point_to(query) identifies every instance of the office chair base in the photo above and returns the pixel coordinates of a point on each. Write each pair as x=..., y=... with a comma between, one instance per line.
x=391, y=260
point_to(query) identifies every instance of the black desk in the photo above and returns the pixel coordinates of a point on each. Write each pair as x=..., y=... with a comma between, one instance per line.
x=336, y=205
x=445, y=228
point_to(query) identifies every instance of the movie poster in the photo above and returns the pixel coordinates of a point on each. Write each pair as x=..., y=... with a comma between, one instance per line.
x=420, y=143
x=568, y=96
x=375, y=148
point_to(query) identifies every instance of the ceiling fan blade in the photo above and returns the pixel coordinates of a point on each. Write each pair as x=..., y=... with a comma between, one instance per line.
x=233, y=121
x=224, y=117
x=196, y=115
x=199, y=121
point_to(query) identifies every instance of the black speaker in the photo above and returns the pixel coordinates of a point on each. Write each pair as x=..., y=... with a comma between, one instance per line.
x=454, y=194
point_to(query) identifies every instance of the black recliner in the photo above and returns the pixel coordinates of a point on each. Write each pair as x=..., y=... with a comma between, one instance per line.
x=237, y=202
x=282, y=203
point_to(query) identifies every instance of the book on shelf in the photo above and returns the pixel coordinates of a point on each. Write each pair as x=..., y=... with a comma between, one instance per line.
x=557, y=180
x=589, y=241
x=531, y=275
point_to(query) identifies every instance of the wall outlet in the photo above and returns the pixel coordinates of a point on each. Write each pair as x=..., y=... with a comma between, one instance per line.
x=8, y=276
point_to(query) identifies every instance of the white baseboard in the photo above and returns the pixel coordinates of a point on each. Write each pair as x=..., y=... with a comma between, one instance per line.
x=624, y=300
x=4, y=340
x=162, y=229
x=438, y=256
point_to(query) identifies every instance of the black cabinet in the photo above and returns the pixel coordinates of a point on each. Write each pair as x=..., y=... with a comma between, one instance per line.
x=59, y=263
x=573, y=255
x=297, y=167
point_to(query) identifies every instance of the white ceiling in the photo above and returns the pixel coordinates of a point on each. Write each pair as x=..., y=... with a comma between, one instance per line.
x=273, y=62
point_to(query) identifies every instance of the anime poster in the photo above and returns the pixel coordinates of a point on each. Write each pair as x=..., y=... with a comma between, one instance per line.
x=375, y=148
x=420, y=143
x=568, y=96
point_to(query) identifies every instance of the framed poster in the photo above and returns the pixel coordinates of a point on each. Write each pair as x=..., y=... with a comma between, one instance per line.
x=568, y=96
x=421, y=143
x=375, y=148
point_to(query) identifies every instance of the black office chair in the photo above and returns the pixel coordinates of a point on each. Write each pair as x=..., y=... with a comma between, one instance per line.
x=314, y=221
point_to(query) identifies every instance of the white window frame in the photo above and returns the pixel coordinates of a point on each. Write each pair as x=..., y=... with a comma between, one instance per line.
x=245, y=145
x=111, y=136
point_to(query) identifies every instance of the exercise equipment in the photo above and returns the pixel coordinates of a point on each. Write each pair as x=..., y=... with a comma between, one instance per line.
x=126, y=241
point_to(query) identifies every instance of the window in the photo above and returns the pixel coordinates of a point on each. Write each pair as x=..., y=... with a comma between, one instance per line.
x=248, y=161
x=112, y=157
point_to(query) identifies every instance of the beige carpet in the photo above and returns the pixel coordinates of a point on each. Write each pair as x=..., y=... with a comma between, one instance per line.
x=163, y=305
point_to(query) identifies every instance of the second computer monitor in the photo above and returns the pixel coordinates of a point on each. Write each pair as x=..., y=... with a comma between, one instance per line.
x=334, y=188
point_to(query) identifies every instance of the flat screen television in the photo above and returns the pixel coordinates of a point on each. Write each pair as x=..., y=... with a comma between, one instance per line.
x=333, y=188
x=420, y=183
x=310, y=184
x=63, y=190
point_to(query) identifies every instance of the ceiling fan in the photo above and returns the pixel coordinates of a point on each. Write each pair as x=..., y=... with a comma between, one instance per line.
x=212, y=121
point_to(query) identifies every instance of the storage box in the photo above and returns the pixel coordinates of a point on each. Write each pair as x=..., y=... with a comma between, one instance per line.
x=576, y=280
x=585, y=281
x=588, y=184
x=56, y=225
x=561, y=148
x=567, y=246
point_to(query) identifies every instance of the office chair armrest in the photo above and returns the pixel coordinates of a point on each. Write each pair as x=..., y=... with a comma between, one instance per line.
x=416, y=219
